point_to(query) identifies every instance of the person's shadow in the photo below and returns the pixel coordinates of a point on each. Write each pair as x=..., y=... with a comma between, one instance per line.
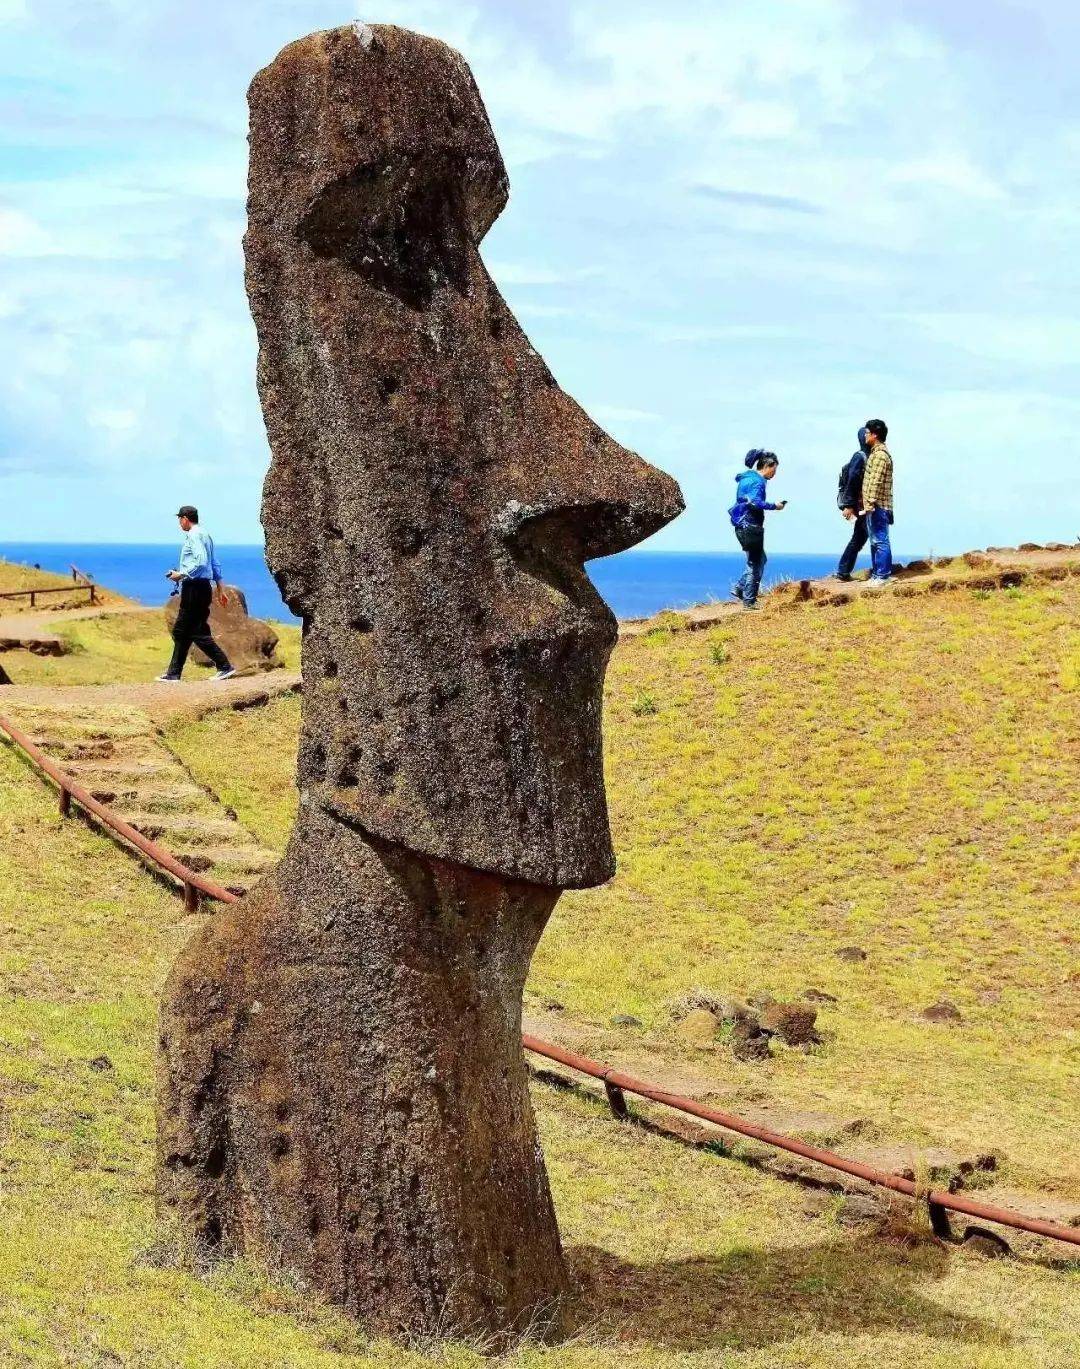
x=752, y=1298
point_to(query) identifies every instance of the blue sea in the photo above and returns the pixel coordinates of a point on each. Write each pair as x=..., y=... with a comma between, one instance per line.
x=635, y=583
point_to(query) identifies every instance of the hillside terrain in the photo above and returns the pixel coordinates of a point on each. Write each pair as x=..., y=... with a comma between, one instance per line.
x=896, y=775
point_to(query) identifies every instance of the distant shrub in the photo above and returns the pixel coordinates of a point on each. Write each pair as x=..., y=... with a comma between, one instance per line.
x=645, y=705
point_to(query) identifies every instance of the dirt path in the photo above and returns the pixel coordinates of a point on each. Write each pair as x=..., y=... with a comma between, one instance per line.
x=996, y=567
x=157, y=701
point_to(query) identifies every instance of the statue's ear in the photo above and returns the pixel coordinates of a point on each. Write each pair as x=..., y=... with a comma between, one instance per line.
x=406, y=225
x=401, y=227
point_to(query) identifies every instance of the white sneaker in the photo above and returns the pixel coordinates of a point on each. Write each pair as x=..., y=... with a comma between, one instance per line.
x=878, y=582
x=224, y=674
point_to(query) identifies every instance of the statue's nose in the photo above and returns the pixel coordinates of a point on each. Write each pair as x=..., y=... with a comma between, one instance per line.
x=590, y=495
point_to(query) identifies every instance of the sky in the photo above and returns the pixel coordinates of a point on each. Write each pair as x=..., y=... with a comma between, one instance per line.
x=732, y=224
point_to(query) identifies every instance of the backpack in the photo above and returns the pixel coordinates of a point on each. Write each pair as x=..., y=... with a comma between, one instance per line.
x=843, y=490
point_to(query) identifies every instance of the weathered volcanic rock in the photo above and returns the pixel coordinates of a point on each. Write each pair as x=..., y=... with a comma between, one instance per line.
x=249, y=643
x=793, y=1023
x=342, y=1088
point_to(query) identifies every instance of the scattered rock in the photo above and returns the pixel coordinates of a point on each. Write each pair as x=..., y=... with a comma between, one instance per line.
x=760, y=1000
x=975, y=558
x=918, y=567
x=851, y=953
x=748, y=1041
x=791, y=1022
x=552, y=1005
x=944, y=1011
x=857, y=1209
x=101, y=1062
x=622, y=1019
x=819, y=996
x=699, y=1027
x=5, y=678
x=249, y=643
x=986, y=1243
x=723, y=1008
x=1030, y=546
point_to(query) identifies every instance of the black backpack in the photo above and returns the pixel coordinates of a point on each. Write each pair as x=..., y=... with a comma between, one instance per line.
x=845, y=493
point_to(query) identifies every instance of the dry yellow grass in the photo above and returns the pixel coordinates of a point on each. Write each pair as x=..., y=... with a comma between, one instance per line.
x=899, y=774
x=686, y=1259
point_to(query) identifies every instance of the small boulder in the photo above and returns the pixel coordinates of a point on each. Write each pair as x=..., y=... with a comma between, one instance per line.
x=760, y=1000
x=101, y=1062
x=943, y=1011
x=5, y=678
x=749, y=1042
x=622, y=1019
x=699, y=1027
x=819, y=996
x=249, y=643
x=793, y=1023
x=851, y=953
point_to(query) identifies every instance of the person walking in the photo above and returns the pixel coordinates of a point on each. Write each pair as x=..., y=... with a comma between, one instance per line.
x=849, y=500
x=747, y=516
x=877, y=502
x=197, y=574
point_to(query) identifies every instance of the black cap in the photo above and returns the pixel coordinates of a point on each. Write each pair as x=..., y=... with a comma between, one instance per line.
x=188, y=511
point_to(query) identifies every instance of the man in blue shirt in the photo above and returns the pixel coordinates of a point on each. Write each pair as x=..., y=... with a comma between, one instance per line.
x=197, y=574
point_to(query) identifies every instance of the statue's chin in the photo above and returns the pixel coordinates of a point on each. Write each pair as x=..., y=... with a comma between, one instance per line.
x=577, y=852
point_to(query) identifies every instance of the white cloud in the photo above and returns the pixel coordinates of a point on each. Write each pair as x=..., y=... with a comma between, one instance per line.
x=613, y=413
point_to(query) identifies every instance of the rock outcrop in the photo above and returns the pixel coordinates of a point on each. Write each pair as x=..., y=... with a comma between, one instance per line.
x=249, y=643
x=342, y=1088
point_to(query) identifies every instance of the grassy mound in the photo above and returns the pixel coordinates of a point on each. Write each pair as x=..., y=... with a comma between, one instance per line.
x=15, y=576
x=898, y=774
x=685, y=1258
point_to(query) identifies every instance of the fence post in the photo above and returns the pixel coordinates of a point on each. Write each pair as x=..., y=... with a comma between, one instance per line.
x=32, y=598
x=616, y=1101
x=191, y=898
x=65, y=803
x=939, y=1222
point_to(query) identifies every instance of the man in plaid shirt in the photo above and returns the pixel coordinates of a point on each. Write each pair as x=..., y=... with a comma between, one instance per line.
x=877, y=502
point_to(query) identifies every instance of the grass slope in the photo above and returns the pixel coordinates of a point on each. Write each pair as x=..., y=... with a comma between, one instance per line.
x=15, y=576
x=124, y=648
x=685, y=1258
x=898, y=774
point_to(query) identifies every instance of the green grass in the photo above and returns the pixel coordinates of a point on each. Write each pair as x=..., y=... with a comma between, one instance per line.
x=684, y=1258
x=896, y=774
x=121, y=649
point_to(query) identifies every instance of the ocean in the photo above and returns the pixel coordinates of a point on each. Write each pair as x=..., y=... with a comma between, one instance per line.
x=635, y=583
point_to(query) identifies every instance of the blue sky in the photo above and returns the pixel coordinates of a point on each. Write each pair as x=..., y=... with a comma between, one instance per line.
x=731, y=224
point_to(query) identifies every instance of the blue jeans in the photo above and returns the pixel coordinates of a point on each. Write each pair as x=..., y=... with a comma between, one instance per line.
x=752, y=541
x=877, y=523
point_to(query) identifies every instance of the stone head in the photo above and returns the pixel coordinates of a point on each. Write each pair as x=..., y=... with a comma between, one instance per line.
x=433, y=495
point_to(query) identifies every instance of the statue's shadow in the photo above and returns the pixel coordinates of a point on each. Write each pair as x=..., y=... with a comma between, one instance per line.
x=754, y=1298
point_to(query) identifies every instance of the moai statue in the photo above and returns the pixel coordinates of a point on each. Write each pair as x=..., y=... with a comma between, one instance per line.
x=342, y=1088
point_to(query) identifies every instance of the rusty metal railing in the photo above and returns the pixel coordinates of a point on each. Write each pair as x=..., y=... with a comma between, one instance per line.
x=192, y=882
x=616, y=1084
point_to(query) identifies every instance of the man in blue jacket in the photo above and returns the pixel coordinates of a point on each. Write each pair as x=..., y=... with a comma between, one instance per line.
x=747, y=516
x=197, y=574
x=849, y=501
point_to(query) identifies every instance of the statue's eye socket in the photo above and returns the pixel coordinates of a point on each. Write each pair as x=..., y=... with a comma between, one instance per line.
x=401, y=226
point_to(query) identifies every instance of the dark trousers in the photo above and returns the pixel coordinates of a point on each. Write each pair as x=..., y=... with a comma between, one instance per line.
x=193, y=626
x=850, y=554
x=752, y=541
